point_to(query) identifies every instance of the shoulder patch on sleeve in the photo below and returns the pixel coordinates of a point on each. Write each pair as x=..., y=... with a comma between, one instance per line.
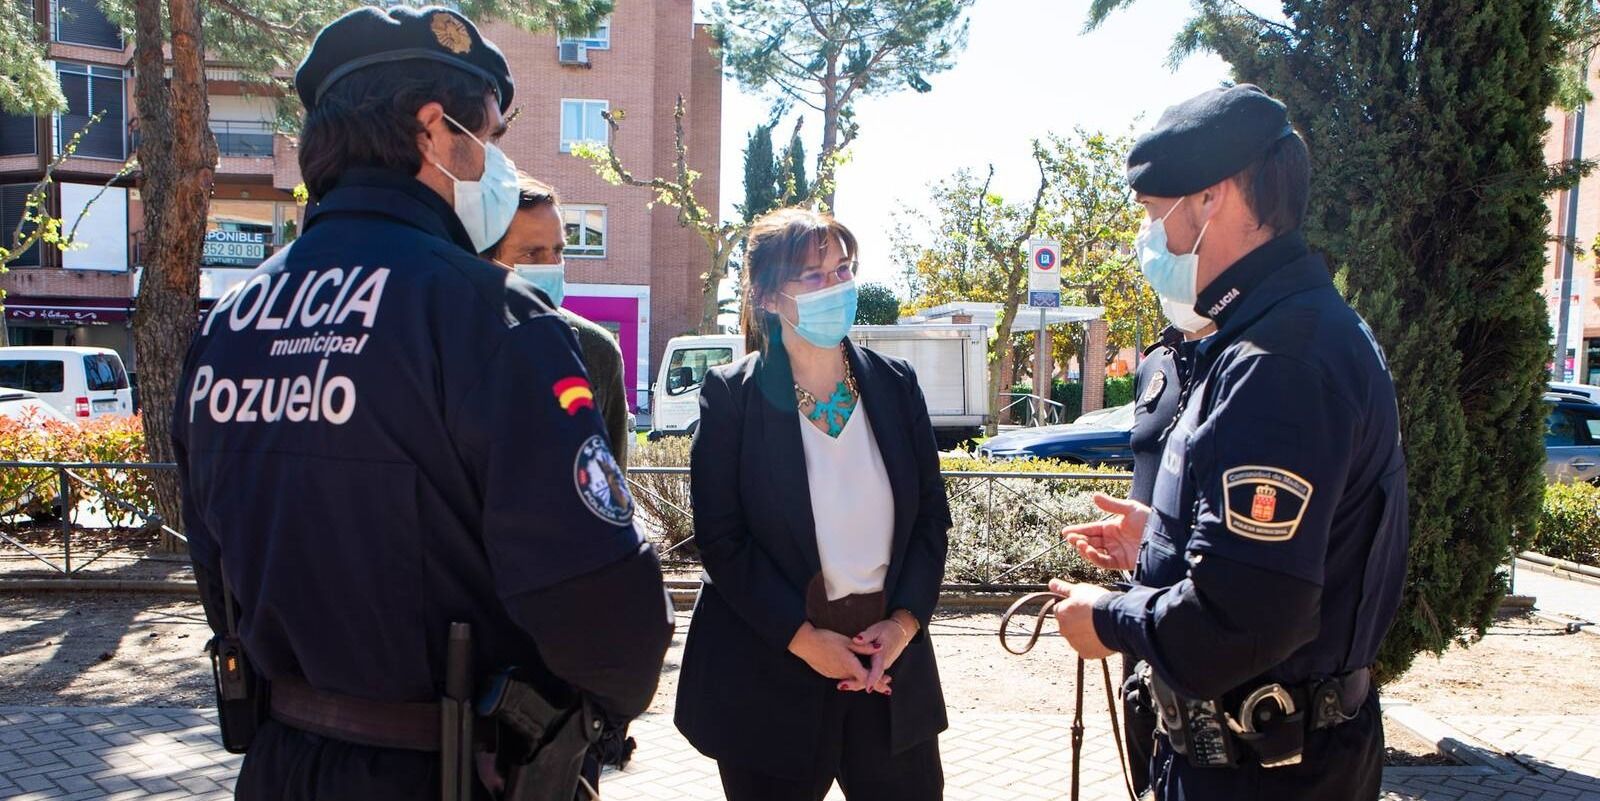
x=1265, y=503
x=573, y=394
x=1152, y=393
x=601, y=484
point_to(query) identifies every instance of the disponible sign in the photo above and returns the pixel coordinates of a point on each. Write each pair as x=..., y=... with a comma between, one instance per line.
x=235, y=248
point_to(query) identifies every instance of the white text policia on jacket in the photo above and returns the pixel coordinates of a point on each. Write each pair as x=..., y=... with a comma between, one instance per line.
x=257, y=301
x=301, y=398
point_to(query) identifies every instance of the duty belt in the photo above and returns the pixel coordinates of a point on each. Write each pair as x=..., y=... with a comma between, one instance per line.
x=380, y=724
x=1270, y=720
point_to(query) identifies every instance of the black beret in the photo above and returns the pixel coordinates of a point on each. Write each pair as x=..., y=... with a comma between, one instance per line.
x=1205, y=139
x=371, y=35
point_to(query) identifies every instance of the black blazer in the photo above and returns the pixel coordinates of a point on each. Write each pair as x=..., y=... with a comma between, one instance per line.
x=742, y=696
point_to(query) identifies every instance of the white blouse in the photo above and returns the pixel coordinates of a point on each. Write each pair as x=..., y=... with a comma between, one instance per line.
x=852, y=504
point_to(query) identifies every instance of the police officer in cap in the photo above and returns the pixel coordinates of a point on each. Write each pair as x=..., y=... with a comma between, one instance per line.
x=1273, y=551
x=381, y=434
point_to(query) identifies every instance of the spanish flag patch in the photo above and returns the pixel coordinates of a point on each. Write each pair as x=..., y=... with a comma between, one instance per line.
x=574, y=394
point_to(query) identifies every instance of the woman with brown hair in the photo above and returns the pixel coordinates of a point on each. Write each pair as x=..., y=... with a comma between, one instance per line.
x=821, y=520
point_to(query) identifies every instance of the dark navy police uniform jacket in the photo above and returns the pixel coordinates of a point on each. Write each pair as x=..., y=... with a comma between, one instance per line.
x=381, y=434
x=1157, y=388
x=1276, y=546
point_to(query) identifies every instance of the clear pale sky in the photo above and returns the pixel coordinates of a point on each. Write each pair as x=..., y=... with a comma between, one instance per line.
x=1027, y=69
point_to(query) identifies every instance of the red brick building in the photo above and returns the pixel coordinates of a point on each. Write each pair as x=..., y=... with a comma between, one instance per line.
x=630, y=268
x=1582, y=362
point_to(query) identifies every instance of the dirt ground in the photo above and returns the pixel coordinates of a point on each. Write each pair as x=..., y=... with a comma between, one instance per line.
x=99, y=649
x=1523, y=666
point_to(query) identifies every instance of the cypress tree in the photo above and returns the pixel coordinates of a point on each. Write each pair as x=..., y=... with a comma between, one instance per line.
x=762, y=175
x=1426, y=127
x=794, y=164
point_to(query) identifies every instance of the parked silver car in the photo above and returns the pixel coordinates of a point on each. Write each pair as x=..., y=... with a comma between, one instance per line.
x=1571, y=439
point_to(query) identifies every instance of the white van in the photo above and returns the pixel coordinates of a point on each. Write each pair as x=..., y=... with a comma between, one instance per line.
x=949, y=359
x=81, y=383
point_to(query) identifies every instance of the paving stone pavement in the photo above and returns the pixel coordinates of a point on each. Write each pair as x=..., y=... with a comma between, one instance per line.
x=1563, y=596
x=173, y=755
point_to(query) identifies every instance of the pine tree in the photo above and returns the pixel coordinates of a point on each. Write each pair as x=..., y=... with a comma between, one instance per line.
x=1428, y=196
x=823, y=55
x=762, y=174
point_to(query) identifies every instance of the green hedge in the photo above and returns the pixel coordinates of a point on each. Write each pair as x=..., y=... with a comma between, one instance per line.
x=1569, y=524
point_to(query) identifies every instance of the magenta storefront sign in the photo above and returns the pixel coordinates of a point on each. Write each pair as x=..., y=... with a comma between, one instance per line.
x=623, y=314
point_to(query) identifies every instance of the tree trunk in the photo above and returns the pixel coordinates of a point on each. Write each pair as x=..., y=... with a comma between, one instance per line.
x=177, y=157
x=710, y=290
x=830, y=137
x=1002, y=340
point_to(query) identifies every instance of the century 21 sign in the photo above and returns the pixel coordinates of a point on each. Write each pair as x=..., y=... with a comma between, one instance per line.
x=235, y=248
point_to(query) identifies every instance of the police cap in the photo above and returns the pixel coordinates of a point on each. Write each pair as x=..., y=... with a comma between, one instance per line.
x=370, y=35
x=1205, y=139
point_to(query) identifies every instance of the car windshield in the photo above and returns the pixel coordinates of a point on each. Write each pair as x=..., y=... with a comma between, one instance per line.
x=688, y=367
x=1119, y=418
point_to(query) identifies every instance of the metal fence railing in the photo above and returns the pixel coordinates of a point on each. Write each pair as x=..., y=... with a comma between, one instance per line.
x=1005, y=532
x=1006, y=525
x=1032, y=410
x=61, y=496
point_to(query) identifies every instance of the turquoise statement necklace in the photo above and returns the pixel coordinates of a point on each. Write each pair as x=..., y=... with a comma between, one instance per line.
x=834, y=412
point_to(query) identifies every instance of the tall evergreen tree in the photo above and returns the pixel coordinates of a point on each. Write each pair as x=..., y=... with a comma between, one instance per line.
x=762, y=174
x=1426, y=134
x=797, y=189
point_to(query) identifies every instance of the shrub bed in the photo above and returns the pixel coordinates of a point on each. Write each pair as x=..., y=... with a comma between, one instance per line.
x=1569, y=524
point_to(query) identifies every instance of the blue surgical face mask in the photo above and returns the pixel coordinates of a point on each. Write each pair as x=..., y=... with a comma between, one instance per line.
x=825, y=316
x=485, y=206
x=551, y=279
x=1172, y=276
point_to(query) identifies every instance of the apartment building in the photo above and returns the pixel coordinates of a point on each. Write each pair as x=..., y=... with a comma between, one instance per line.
x=632, y=269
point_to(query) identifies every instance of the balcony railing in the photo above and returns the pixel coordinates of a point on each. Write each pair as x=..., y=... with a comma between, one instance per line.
x=243, y=138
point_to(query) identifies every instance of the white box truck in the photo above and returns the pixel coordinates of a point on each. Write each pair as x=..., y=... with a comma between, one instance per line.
x=951, y=361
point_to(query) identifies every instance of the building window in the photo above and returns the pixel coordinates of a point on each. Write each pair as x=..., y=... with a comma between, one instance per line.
x=91, y=90
x=249, y=138
x=18, y=135
x=597, y=39
x=581, y=121
x=82, y=22
x=586, y=231
x=13, y=201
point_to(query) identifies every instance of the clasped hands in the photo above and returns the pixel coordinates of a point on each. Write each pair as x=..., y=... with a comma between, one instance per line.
x=1112, y=543
x=836, y=656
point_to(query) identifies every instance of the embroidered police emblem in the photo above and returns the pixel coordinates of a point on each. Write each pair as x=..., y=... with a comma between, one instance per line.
x=1265, y=503
x=1152, y=393
x=601, y=484
x=450, y=33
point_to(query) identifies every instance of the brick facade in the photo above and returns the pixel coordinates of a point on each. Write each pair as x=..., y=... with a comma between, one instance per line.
x=1585, y=309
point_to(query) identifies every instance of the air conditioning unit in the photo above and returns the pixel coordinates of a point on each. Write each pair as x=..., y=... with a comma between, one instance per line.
x=574, y=53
